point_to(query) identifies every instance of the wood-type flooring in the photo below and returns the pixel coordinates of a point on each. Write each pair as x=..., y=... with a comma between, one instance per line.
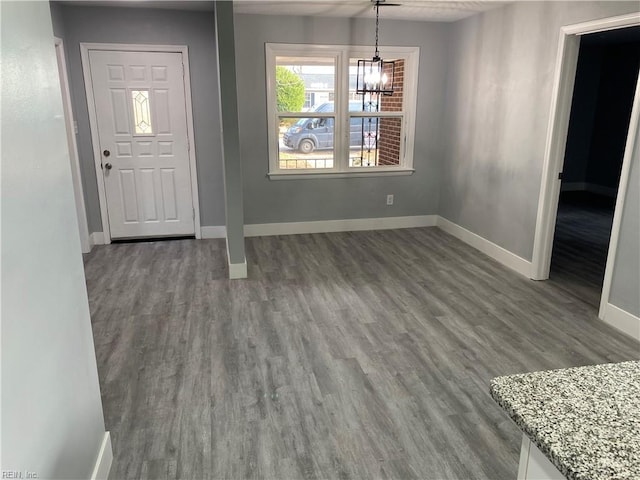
x=343, y=355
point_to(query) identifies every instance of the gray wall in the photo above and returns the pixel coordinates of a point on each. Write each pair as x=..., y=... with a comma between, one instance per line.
x=625, y=285
x=149, y=26
x=268, y=201
x=498, y=105
x=52, y=423
x=57, y=20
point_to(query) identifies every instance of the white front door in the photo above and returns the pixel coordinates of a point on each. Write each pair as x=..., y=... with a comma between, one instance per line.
x=140, y=107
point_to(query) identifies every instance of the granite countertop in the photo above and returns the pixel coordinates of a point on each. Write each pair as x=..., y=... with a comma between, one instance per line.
x=586, y=420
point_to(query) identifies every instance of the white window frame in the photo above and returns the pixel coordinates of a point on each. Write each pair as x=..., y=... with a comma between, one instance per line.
x=342, y=54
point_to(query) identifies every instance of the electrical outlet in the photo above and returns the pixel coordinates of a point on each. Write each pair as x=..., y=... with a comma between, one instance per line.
x=390, y=199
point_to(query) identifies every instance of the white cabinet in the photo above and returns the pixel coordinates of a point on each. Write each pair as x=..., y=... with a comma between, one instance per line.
x=534, y=465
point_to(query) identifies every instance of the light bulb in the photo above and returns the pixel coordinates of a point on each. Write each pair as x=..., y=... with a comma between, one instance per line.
x=372, y=79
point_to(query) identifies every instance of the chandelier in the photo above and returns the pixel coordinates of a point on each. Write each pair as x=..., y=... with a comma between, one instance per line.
x=375, y=76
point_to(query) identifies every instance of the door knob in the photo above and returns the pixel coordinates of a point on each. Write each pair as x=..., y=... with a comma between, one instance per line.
x=108, y=166
x=106, y=153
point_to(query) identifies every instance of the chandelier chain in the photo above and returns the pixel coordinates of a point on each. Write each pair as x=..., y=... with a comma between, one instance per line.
x=377, y=22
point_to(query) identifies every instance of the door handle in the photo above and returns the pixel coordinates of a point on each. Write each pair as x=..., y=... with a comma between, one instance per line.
x=108, y=166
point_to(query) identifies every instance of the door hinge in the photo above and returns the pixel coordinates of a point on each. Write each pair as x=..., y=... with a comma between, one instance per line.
x=193, y=210
x=560, y=176
x=188, y=144
x=182, y=70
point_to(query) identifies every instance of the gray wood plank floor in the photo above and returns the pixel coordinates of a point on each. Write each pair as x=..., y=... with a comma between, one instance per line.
x=345, y=355
x=580, y=245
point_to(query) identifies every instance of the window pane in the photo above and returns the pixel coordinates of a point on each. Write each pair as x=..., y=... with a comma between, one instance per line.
x=305, y=142
x=377, y=103
x=141, y=112
x=375, y=141
x=305, y=84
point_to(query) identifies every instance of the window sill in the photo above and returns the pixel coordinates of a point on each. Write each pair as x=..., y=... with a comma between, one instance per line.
x=396, y=172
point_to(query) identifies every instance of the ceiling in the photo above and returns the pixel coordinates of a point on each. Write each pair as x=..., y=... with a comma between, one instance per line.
x=423, y=10
x=194, y=5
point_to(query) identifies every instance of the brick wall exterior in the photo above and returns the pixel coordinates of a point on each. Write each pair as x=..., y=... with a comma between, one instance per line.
x=389, y=141
x=390, y=128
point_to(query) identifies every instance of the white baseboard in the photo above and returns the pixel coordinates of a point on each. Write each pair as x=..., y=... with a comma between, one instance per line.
x=96, y=238
x=213, y=232
x=589, y=187
x=103, y=462
x=496, y=252
x=622, y=320
x=238, y=270
x=346, y=225
x=505, y=257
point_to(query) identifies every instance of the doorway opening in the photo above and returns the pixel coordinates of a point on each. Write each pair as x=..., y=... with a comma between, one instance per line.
x=552, y=166
x=603, y=94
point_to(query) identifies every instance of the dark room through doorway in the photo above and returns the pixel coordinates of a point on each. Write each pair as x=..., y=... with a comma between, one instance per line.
x=606, y=77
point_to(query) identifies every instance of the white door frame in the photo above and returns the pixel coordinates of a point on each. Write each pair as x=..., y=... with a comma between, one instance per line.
x=78, y=191
x=622, y=194
x=562, y=93
x=85, y=48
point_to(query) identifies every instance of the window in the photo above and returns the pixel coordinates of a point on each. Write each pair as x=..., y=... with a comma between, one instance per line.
x=141, y=112
x=303, y=123
x=319, y=125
